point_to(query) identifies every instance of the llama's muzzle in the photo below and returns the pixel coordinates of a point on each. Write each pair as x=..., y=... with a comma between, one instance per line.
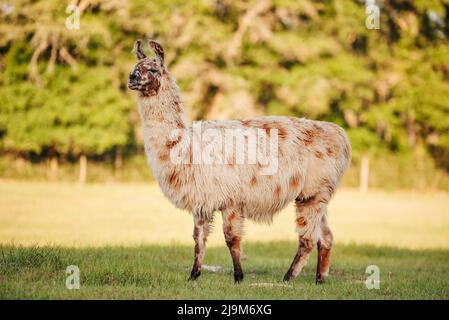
x=133, y=81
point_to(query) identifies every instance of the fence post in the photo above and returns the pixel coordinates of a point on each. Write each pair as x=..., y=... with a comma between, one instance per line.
x=54, y=167
x=83, y=169
x=118, y=163
x=364, y=173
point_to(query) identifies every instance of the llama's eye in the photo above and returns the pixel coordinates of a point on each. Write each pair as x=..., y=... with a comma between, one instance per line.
x=153, y=71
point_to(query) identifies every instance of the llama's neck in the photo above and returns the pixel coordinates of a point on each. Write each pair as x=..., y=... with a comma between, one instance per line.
x=165, y=110
x=162, y=116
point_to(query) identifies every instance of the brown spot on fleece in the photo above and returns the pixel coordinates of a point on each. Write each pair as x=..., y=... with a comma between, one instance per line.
x=309, y=135
x=301, y=222
x=171, y=143
x=174, y=180
x=277, y=192
x=180, y=124
x=294, y=182
x=253, y=181
x=164, y=156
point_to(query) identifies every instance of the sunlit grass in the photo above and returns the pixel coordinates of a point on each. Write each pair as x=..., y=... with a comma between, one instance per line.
x=133, y=214
x=161, y=272
x=129, y=242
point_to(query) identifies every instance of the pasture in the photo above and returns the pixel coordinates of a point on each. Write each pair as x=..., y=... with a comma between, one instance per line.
x=129, y=242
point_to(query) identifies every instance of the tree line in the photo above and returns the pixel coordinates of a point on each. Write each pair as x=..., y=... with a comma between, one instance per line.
x=63, y=91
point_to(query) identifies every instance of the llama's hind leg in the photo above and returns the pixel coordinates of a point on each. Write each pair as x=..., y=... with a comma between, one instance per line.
x=324, y=251
x=201, y=230
x=309, y=213
x=233, y=231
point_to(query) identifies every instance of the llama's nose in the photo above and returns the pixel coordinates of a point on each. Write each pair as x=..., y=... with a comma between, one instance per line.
x=132, y=76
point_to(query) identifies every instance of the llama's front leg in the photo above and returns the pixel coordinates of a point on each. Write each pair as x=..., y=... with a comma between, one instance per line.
x=233, y=231
x=201, y=230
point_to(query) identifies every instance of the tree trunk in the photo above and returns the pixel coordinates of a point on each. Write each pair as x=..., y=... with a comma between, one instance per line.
x=364, y=174
x=83, y=169
x=412, y=135
x=54, y=167
x=20, y=163
x=118, y=164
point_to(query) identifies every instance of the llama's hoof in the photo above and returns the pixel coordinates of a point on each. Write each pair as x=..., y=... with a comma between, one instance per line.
x=288, y=277
x=238, y=278
x=320, y=280
x=194, y=275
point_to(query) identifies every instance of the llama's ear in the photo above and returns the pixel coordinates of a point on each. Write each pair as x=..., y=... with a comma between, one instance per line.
x=158, y=50
x=138, y=50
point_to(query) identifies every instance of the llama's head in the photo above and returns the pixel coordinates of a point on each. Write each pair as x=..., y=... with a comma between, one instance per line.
x=147, y=75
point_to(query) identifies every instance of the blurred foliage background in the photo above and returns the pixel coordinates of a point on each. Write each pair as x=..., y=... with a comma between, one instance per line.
x=64, y=101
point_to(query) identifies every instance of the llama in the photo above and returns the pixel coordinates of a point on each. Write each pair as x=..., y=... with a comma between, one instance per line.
x=311, y=159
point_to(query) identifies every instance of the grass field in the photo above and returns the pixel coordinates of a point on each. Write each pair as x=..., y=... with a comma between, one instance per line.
x=156, y=271
x=129, y=242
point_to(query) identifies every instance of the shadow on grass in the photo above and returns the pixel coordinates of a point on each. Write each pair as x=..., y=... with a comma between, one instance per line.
x=161, y=271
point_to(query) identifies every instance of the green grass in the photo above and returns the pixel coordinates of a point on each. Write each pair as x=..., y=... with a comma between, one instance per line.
x=161, y=272
x=130, y=243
